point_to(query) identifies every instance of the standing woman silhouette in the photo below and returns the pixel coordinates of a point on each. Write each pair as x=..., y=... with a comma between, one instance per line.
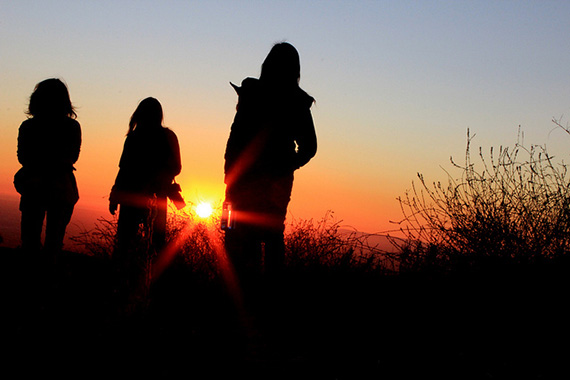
x=148, y=165
x=48, y=146
x=272, y=135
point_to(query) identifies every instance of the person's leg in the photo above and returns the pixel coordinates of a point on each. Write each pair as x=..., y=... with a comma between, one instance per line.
x=31, y=228
x=244, y=250
x=58, y=217
x=123, y=256
x=274, y=253
x=129, y=258
x=280, y=195
x=128, y=224
x=159, y=224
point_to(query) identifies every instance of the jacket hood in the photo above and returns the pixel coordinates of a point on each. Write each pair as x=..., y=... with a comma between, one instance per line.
x=250, y=86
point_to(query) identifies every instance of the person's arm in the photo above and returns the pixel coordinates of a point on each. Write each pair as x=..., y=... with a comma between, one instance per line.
x=75, y=142
x=24, y=151
x=175, y=166
x=115, y=195
x=306, y=140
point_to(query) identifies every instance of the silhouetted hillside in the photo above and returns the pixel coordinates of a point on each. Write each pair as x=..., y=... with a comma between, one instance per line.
x=319, y=325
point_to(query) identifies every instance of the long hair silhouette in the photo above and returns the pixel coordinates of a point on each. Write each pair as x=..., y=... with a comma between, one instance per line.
x=147, y=115
x=282, y=65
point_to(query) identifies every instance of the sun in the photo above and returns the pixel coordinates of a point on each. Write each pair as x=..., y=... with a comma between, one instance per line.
x=204, y=210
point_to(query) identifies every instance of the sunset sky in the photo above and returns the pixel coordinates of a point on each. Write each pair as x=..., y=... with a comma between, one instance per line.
x=397, y=85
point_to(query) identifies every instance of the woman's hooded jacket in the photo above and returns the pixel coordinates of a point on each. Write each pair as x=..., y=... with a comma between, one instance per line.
x=272, y=134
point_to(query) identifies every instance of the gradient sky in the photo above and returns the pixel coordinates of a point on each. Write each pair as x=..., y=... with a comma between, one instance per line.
x=397, y=84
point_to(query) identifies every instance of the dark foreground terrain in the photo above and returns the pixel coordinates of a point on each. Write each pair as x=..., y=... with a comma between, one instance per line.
x=323, y=324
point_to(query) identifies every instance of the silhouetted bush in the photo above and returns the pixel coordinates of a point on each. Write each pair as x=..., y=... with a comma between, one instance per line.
x=98, y=241
x=197, y=244
x=510, y=208
x=322, y=244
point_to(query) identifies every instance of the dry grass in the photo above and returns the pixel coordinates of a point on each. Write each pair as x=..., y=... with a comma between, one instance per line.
x=322, y=244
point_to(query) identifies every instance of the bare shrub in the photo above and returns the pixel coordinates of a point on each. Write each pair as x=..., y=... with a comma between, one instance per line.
x=321, y=244
x=558, y=124
x=513, y=207
x=100, y=240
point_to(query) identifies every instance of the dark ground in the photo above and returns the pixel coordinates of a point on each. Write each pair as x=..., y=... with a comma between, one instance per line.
x=323, y=325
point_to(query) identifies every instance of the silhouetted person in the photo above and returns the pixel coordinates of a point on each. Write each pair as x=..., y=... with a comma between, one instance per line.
x=48, y=146
x=272, y=135
x=149, y=163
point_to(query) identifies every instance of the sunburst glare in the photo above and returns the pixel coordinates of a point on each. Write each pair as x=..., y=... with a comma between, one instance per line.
x=204, y=210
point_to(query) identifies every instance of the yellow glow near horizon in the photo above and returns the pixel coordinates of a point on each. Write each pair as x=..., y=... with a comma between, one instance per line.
x=204, y=210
